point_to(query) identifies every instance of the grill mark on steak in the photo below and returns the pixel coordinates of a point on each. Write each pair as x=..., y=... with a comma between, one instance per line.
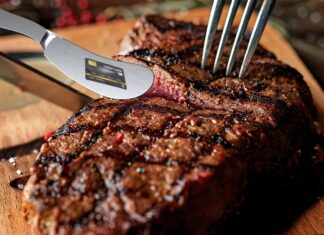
x=49, y=157
x=44, y=160
x=67, y=129
x=171, y=122
x=124, y=122
x=242, y=95
x=217, y=139
x=115, y=178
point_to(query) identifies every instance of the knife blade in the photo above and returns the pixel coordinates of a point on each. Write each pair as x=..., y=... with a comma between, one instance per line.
x=110, y=78
x=40, y=84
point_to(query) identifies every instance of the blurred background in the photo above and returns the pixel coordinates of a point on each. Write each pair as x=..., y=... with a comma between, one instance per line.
x=300, y=21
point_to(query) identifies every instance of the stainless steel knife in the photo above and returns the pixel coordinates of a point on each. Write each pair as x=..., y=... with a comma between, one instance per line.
x=40, y=84
x=110, y=78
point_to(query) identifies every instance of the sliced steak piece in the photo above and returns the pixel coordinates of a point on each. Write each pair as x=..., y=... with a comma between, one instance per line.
x=178, y=160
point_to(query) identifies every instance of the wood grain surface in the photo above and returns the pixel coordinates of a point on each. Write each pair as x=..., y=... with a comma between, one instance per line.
x=303, y=214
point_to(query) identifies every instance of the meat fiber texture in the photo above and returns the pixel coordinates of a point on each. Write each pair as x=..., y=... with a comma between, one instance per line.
x=178, y=160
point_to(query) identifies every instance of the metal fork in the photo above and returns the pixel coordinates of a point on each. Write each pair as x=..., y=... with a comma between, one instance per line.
x=260, y=24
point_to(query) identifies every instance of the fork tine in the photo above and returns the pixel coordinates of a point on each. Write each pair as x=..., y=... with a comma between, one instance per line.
x=226, y=31
x=239, y=34
x=261, y=22
x=211, y=29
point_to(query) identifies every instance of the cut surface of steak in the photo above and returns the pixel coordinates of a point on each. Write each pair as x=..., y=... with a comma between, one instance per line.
x=178, y=160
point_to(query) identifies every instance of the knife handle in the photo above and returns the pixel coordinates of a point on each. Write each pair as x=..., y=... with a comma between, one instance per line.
x=21, y=25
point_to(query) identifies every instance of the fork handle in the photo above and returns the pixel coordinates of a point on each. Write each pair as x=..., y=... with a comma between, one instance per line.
x=21, y=25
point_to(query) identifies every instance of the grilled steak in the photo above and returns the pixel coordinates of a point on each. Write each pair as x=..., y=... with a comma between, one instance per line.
x=178, y=160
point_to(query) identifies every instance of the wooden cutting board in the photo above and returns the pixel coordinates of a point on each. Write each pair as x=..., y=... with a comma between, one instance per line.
x=22, y=125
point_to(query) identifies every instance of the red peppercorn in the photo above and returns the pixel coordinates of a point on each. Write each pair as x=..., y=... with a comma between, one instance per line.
x=119, y=138
x=181, y=100
x=218, y=153
x=47, y=135
x=205, y=175
x=172, y=40
x=176, y=117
